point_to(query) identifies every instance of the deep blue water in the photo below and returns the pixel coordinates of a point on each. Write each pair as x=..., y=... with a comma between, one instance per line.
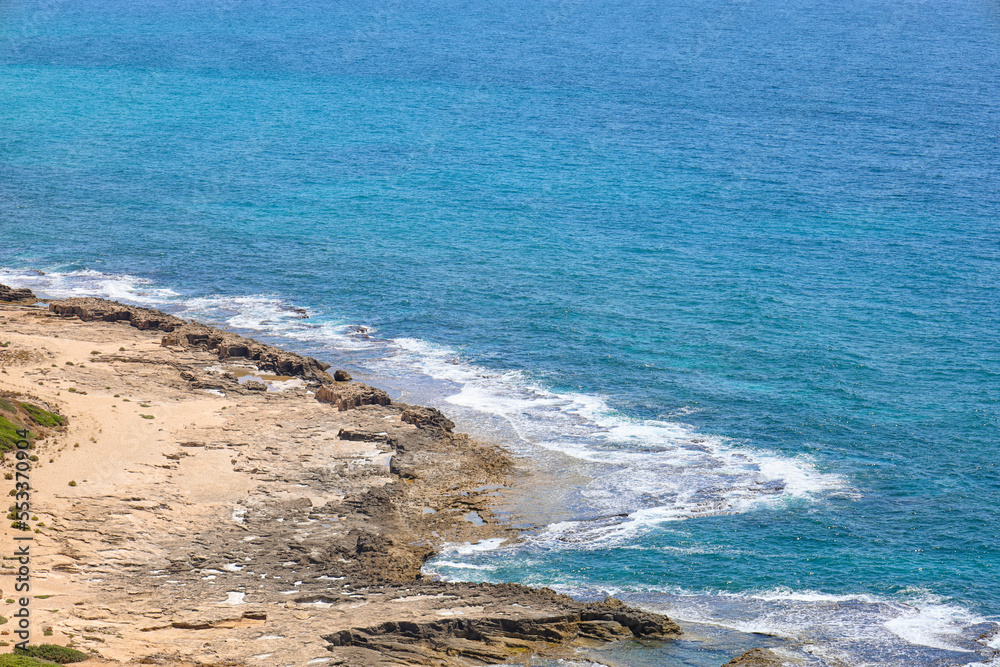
x=727, y=268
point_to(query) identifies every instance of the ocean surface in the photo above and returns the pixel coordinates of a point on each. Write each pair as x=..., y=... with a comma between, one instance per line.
x=725, y=272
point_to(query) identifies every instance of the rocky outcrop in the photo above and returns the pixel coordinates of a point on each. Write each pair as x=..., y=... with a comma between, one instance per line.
x=228, y=345
x=365, y=436
x=12, y=295
x=341, y=375
x=350, y=395
x=495, y=639
x=430, y=419
x=181, y=333
x=89, y=309
x=756, y=657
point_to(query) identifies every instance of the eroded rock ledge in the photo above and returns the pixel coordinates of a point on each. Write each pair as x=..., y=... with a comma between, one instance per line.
x=493, y=639
x=12, y=295
x=182, y=333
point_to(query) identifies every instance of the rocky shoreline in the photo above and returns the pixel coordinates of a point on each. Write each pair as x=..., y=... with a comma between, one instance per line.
x=216, y=500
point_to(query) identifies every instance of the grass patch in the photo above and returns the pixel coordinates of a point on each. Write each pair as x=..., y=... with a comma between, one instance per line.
x=147, y=416
x=9, y=660
x=7, y=406
x=62, y=655
x=8, y=434
x=43, y=417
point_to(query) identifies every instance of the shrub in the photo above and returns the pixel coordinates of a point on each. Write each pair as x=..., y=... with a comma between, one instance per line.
x=62, y=655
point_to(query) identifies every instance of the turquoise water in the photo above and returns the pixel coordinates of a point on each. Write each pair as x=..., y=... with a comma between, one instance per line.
x=727, y=271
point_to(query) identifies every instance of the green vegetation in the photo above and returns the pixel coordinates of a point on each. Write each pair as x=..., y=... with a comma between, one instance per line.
x=14, y=416
x=72, y=482
x=8, y=434
x=62, y=655
x=11, y=660
x=43, y=417
x=147, y=416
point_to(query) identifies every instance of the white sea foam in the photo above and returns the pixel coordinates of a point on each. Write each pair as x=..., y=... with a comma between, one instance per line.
x=861, y=630
x=467, y=548
x=931, y=626
x=275, y=317
x=63, y=285
x=463, y=566
x=653, y=471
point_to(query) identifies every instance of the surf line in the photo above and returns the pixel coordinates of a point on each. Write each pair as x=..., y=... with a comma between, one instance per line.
x=20, y=513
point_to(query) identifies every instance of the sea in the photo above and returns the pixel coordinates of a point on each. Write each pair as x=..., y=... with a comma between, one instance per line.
x=723, y=274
